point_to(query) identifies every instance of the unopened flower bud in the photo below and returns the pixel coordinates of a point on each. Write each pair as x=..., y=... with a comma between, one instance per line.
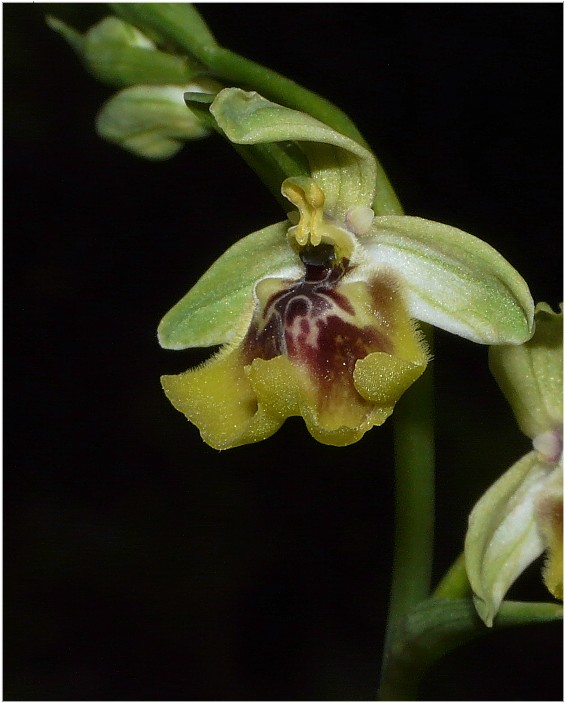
x=150, y=121
x=118, y=54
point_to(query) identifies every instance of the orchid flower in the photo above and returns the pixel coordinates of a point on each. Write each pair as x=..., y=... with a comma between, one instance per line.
x=521, y=514
x=316, y=315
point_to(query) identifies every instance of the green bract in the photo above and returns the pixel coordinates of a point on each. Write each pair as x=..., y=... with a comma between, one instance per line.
x=521, y=515
x=168, y=22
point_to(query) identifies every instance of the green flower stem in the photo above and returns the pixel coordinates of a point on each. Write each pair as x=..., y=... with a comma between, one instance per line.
x=414, y=506
x=414, y=499
x=454, y=583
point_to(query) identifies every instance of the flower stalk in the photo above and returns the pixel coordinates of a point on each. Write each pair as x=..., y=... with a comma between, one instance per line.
x=414, y=477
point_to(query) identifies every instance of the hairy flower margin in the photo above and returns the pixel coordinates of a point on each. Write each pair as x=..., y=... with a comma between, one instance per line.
x=521, y=514
x=316, y=314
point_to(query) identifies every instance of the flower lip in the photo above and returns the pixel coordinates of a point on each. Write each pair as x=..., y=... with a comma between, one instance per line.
x=295, y=313
x=315, y=323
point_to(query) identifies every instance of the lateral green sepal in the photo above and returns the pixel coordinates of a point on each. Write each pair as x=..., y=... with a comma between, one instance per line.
x=503, y=538
x=454, y=280
x=218, y=308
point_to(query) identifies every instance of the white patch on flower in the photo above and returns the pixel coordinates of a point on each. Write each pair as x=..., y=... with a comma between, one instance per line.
x=359, y=220
x=549, y=445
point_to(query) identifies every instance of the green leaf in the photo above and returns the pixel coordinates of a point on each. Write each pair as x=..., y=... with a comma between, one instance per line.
x=219, y=306
x=344, y=169
x=453, y=280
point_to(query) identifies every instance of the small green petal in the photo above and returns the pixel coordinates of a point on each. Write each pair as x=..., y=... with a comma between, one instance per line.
x=150, y=121
x=531, y=375
x=343, y=169
x=503, y=539
x=453, y=280
x=219, y=306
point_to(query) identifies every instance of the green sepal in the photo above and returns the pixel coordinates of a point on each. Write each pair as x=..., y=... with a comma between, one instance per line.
x=219, y=306
x=272, y=162
x=453, y=280
x=531, y=375
x=344, y=170
x=502, y=538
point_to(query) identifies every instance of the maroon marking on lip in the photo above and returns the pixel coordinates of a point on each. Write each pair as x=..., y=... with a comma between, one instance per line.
x=301, y=323
x=340, y=345
x=384, y=291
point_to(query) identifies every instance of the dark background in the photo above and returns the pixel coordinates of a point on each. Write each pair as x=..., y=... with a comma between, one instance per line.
x=141, y=564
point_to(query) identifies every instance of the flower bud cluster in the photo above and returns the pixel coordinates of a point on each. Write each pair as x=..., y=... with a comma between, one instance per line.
x=148, y=116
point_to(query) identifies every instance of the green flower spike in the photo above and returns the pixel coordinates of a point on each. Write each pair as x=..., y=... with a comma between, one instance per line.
x=521, y=515
x=316, y=314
